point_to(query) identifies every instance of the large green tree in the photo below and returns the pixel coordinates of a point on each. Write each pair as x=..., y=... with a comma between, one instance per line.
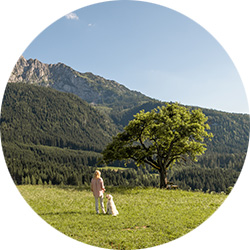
x=160, y=138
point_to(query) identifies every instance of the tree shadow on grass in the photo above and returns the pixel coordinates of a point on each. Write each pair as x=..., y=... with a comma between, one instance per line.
x=62, y=213
x=109, y=189
x=73, y=188
x=72, y=213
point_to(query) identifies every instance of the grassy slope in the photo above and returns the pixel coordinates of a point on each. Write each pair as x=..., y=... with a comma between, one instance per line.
x=148, y=217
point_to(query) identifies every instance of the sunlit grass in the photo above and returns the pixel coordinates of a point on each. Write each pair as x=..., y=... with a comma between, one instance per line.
x=147, y=217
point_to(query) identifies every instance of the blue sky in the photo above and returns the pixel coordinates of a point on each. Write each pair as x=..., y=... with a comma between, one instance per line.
x=148, y=48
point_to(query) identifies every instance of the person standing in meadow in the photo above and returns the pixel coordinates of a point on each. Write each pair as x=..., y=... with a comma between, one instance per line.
x=98, y=189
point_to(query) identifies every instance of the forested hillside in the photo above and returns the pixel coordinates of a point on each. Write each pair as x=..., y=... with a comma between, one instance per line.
x=50, y=136
x=43, y=116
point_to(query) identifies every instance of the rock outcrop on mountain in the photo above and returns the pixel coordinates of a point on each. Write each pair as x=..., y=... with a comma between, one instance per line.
x=91, y=88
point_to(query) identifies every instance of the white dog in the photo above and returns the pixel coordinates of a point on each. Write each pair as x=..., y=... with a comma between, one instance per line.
x=111, y=208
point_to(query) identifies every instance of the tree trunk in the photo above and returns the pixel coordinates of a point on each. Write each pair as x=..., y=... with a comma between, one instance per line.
x=163, y=178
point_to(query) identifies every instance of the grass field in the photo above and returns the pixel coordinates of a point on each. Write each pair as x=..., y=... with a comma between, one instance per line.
x=147, y=217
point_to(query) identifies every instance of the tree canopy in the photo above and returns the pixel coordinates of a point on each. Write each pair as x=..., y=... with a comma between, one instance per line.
x=160, y=138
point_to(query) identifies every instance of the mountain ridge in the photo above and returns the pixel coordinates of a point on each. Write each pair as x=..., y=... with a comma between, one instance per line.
x=91, y=88
x=116, y=102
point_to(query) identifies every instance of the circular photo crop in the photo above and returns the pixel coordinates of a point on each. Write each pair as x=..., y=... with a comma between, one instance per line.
x=124, y=125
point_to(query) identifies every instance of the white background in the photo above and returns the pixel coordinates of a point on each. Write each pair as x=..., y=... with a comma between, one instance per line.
x=21, y=21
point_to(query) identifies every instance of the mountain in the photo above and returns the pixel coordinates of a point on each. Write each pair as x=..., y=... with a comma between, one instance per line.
x=118, y=104
x=89, y=87
x=55, y=121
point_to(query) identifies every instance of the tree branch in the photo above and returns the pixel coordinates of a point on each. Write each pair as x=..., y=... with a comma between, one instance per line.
x=143, y=145
x=152, y=163
x=166, y=165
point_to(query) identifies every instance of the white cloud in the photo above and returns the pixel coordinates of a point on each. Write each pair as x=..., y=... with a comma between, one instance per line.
x=72, y=16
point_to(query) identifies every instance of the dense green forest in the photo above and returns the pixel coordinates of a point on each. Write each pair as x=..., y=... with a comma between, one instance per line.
x=50, y=137
x=43, y=116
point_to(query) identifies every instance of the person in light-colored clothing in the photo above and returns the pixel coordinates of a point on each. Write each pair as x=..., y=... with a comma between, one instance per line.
x=98, y=189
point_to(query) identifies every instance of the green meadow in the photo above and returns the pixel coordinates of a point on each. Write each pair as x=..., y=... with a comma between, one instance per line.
x=147, y=216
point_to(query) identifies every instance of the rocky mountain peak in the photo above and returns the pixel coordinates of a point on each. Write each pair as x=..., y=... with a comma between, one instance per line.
x=29, y=71
x=22, y=61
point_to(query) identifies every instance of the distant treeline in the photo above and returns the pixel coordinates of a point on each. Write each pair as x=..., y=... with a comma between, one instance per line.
x=196, y=178
x=68, y=167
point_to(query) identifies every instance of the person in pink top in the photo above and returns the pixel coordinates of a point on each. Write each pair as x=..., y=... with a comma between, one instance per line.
x=98, y=189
